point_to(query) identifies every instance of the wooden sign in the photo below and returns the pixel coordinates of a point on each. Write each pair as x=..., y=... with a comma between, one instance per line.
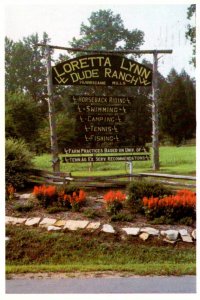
x=104, y=100
x=82, y=159
x=101, y=70
x=131, y=150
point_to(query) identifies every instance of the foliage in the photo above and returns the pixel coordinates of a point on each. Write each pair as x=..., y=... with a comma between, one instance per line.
x=10, y=190
x=18, y=163
x=122, y=217
x=191, y=31
x=24, y=207
x=106, y=31
x=139, y=189
x=114, y=201
x=46, y=195
x=178, y=96
x=91, y=213
x=22, y=117
x=64, y=129
x=72, y=197
x=55, y=209
x=175, y=207
x=25, y=68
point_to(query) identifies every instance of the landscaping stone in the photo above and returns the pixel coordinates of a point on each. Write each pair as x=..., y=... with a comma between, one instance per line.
x=131, y=230
x=194, y=234
x=60, y=223
x=14, y=221
x=25, y=196
x=144, y=236
x=47, y=222
x=53, y=228
x=32, y=221
x=170, y=234
x=108, y=228
x=187, y=238
x=75, y=224
x=150, y=230
x=168, y=241
x=183, y=232
x=93, y=225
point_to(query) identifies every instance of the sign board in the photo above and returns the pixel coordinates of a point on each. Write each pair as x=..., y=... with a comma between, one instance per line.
x=79, y=159
x=101, y=70
x=136, y=149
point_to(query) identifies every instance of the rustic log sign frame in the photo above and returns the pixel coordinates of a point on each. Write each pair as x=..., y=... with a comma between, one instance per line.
x=127, y=73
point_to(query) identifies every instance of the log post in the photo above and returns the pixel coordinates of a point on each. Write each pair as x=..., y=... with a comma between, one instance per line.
x=155, y=121
x=51, y=110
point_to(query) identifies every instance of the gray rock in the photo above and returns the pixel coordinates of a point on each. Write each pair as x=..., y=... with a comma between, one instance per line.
x=131, y=230
x=144, y=236
x=108, y=228
x=93, y=225
x=32, y=221
x=75, y=224
x=187, y=238
x=168, y=241
x=14, y=221
x=60, y=223
x=25, y=196
x=53, y=228
x=170, y=234
x=47, y=222
x=194, y=234
x=183, y=232
x=150, y=230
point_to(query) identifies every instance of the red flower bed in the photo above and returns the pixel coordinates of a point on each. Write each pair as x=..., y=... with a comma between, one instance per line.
x=180, y=205
x=113, y=201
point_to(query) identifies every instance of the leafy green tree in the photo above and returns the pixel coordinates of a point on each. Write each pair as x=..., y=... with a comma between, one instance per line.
x=24, y=66
x=191, y=31
x=106, y=31
x=65, y=131
x=177, y=107
x=22, y=117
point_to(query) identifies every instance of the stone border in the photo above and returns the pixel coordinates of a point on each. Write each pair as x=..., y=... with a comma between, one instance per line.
x=171, y=236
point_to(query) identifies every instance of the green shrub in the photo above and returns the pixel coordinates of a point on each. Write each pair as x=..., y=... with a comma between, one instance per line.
x=56, y=209
x=175, y=208
x=144, y=188
x=23, y=207
x=18, y=162
x=122, y=217
x=91, y=213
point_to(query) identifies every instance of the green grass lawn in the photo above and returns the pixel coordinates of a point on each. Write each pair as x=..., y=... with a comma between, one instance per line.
x=36, y=250
x=173, y=160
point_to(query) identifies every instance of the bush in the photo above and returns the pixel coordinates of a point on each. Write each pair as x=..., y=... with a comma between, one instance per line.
x=122, y=217
x=175, y=207
x=144, y=188
x=114, y=201
x=67, y=197
x=18, y=163
x=24, y=207
x=46, y=195
x=55, y=209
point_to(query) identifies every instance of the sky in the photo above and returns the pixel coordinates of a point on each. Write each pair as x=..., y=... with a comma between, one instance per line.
x=164, y=25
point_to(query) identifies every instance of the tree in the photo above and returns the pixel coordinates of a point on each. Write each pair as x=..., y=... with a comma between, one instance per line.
x=22, y=118
x=24, y=66
x=106, y=31
x=177, y=107
x=191, y=31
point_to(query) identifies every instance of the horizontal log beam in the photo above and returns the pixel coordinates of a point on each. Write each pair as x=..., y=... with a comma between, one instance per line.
x=128, y=51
